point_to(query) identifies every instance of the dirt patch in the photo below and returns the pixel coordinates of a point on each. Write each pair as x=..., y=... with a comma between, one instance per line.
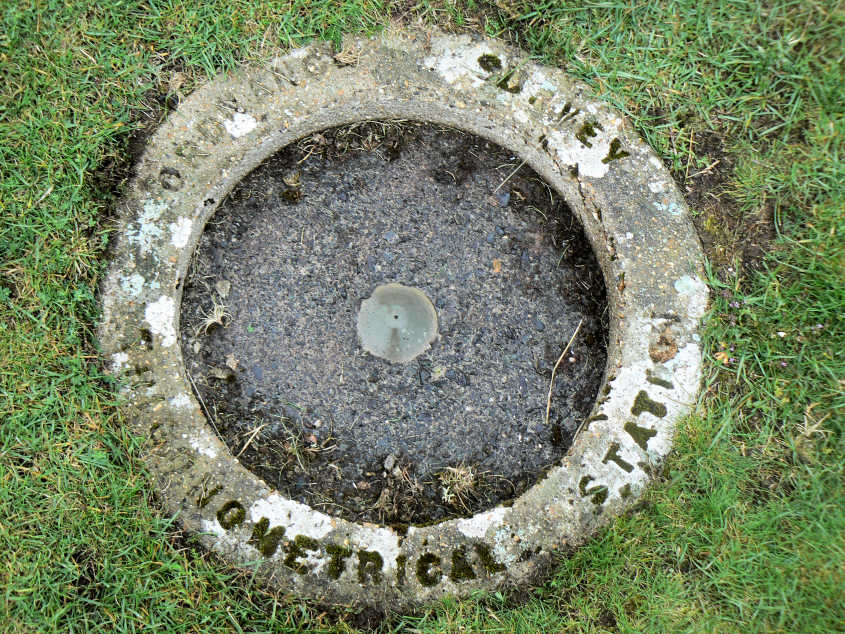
x=270, y=307
x=729, y=237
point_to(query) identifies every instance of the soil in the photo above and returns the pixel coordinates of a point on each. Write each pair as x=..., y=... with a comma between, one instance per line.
x=730, y=237
x=271, y=301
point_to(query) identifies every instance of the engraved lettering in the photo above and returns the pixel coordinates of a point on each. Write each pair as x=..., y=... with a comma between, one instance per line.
x=461, y=568
x=568, y=113
x=428, y=569
x=641, y=435
x=205, y=497
x=644, y=404
x=231, y=514
x=598, y=494
x=266, y=542
x=170, y=179
x=370, y=570
x=487, y=561
x=337, y=562
x=613, y=455
x=615, y=152
x=369, y=565
x=587, y=130
x=297, y=548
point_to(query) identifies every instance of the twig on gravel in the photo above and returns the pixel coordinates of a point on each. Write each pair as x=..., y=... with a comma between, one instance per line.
x=554, y=370
x=508, y=177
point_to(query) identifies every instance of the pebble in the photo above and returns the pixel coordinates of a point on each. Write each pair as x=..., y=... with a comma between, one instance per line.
x=389, y=462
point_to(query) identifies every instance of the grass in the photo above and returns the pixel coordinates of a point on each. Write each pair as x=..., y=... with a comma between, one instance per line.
x=745, y=529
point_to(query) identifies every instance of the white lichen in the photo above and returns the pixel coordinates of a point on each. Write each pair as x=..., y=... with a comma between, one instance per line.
x=118, y=361
x=571, y=151
x=694, y=295
x=132, y=285
x=213, y=527
x=181, y=401
x=296, y=518
x=204, y=444
x=502, y=542
x=476, y=527
x=382, y=540
x=671, y=206
x=147, y=229
x=461, y=63
x=180, y=232
x=240, y=124
x=160, y=316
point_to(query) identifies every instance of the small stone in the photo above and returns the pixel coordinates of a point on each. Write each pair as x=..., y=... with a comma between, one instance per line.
x=503, y=198
x=293, y=178
x=539, y=325
x=220, y=373
x=389, y=462
x=223, y=287
x=491, y=238
x=391, y=237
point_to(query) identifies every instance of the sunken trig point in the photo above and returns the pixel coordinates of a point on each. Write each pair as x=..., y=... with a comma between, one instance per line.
x=397, y=323
x=403, y=321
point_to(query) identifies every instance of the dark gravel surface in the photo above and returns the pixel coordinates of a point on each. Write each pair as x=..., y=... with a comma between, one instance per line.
x=288, y=259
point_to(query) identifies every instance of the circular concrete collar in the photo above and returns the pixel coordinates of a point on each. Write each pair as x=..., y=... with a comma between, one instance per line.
x=635, y=218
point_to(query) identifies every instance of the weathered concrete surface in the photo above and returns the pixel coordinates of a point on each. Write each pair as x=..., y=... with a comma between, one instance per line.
x=630, y=208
